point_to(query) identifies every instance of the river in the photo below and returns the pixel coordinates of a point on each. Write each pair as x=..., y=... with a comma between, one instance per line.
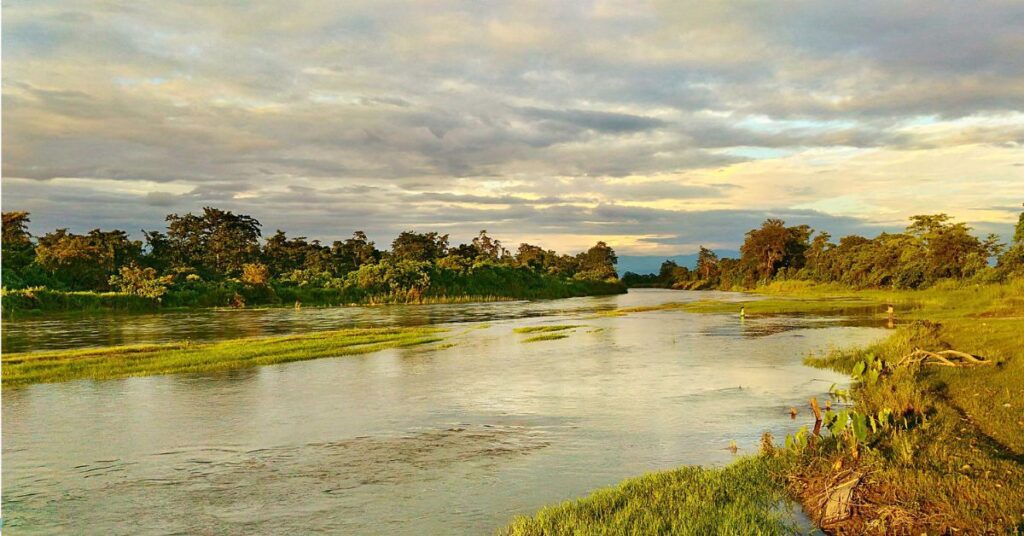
x=455, y=438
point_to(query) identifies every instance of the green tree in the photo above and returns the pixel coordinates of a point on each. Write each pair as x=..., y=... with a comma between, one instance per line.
x=488, y=247
x=18, y=250
x=774, y=246
x=283, y=255
x=597, y=263
x=353, y=253
x=15, y=229
x=217, y=243
x=707, y=264
x=140, y=281
x=1012, y=259
x=951, y=251
x=157, y=253
x=86, y=262
x=421, y=247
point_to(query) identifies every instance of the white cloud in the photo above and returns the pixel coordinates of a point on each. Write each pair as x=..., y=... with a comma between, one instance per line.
x=545, y=121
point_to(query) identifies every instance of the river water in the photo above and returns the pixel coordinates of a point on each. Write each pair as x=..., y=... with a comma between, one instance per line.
x=454, y=438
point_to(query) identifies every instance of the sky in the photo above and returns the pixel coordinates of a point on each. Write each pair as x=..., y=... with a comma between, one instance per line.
x=655, y=126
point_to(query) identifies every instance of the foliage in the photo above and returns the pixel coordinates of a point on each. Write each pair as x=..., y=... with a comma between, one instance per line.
x=419, y=247
x=255, y=274
x=141, y=282
x=216, y=243
x=85, y=262
x=214, y=259
x=597, y=263
x=933, y=249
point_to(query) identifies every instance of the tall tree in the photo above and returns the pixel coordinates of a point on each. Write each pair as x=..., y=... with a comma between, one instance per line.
x=86, y=262
x=218, y=242
x=18, y=249
x=707, y=263
x=598, y=263
x=764, y=248
x=413, y=246
x=534, y=257
x=354, y=252
x=488, y=247
x=950, y=248
x=15, y=229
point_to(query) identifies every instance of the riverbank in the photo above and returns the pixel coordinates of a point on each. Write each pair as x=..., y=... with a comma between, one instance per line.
x=745, y=497
x=38, y=302
x=22, y=369
x=922, y=448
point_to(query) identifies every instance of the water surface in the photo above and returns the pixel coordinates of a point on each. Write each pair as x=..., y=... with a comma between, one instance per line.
x=443, y=439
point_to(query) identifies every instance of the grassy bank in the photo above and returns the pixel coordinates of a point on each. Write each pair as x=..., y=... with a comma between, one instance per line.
x=35, y=301
x=147, y=360
x=955, y=460
x=744, y=498
x=499, y=287
x=944, y=452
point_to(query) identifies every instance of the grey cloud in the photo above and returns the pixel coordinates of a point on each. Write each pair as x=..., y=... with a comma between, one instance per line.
x=595, y=120
x=296, y=104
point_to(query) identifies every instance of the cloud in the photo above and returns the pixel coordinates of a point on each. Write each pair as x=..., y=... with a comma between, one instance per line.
x=545, y=120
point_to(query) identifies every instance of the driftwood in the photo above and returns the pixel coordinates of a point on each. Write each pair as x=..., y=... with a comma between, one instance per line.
x=837, y=503
x=943, y=358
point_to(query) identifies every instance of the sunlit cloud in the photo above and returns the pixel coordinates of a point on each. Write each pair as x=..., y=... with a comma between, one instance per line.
x=657, y=126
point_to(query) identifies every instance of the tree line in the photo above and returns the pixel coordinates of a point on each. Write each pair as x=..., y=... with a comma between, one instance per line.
x=931, y=249
x=223, y=254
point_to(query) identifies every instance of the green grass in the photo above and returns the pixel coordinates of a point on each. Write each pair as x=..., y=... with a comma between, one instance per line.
x=742, y=498
x=831, y=305
x=545, y=329
x=957, y=467
x=546, y=337
x=146, y=360
x=774, y=305
x=547, y=333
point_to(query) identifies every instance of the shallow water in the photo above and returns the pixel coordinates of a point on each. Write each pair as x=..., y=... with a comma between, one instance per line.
x=78, y=331
x=415, y=441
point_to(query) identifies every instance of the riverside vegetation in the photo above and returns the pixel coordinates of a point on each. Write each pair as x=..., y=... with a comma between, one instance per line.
x=920, y=448
x=930, y=449
x=910, y=448
x=146, y=360
x=216, y=259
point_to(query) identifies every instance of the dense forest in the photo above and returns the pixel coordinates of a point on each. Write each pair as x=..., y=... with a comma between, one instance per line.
x=933, y=248
x=218, y=258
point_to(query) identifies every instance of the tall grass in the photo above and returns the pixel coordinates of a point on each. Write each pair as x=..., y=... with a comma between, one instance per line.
x=481, y=286
x=42, y=299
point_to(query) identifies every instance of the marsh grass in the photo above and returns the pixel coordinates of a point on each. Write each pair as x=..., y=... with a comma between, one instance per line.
x=545, y=329
x=742, y=498
x=767, y=306
x=546, y=337
x=147, y=360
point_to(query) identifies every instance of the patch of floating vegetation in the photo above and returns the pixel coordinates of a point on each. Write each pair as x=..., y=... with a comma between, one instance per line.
x=184, y=357
x=546, y=329
x=546, y=337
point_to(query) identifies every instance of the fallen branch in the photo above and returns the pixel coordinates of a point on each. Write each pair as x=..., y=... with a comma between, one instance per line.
x=944, y=358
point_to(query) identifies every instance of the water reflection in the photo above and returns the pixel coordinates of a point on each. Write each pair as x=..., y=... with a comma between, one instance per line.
x=77, y=331
x=415, y=441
